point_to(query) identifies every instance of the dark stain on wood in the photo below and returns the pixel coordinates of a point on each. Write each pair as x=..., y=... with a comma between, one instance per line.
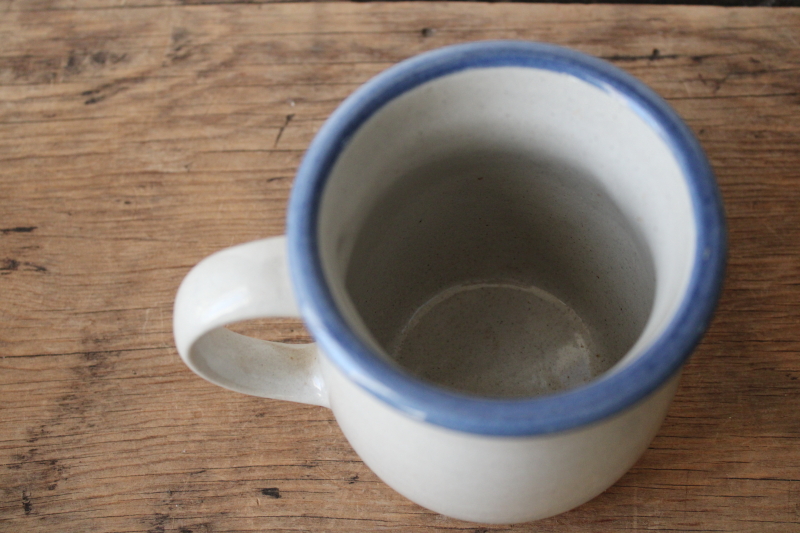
x=106, y=90
x=180, y=49
x=9, y=265
x=29, y=68
x=12, y=265
x=26, y=502
x=272, y=492
x=102, y=58
x=18, y=229
x=80, y=60
x=73, y=64
x=157, y=523
x=100, y=364
x=72, y=413
x=427, y=32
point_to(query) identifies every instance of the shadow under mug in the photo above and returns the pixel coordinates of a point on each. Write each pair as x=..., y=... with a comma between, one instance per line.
x=505, y=251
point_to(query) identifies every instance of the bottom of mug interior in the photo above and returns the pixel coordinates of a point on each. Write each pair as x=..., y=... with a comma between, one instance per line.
x=499, y=340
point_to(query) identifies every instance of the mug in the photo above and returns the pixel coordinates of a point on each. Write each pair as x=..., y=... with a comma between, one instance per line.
x=505, y=252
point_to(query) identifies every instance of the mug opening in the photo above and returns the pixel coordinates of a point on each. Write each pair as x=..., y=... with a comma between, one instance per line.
x=518, y=177
x=500, y=254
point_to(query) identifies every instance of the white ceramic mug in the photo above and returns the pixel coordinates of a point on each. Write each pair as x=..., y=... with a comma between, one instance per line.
x=505, y=251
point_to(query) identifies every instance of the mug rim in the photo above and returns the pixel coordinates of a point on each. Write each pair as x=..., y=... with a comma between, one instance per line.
x=588, y=403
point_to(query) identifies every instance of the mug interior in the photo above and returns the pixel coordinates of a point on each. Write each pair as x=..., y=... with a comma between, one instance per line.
x=507, y=232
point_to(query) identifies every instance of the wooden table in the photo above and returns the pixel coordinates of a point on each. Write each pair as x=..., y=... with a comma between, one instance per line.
x=137, y=137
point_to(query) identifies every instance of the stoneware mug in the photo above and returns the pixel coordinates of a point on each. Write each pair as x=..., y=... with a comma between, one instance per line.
x=505, y=251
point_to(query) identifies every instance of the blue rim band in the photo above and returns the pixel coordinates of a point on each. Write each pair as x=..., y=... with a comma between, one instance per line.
x=514, y=417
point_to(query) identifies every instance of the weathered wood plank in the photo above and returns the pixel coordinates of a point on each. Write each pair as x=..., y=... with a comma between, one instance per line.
x=136, y=140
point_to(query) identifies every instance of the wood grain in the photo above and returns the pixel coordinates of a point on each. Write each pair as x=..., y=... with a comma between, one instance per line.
x=136, y=138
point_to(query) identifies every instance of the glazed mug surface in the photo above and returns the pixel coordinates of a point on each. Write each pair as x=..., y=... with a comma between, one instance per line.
x=505, y=251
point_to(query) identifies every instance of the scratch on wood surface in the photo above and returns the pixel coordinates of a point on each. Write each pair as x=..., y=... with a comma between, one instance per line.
x=280, y=131
x=107, y=90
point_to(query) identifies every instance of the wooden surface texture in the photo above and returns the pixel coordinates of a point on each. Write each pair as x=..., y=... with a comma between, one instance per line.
x=138, y=137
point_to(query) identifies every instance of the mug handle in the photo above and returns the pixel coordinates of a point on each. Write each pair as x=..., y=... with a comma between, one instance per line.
x=242, y=283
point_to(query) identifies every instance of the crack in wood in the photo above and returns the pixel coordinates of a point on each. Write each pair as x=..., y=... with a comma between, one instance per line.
x=280, y=131
x=655, y=55
x=27, y=507
x=18, y=229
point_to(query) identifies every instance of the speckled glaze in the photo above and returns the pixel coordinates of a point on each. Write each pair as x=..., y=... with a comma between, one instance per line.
x=505, y=251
